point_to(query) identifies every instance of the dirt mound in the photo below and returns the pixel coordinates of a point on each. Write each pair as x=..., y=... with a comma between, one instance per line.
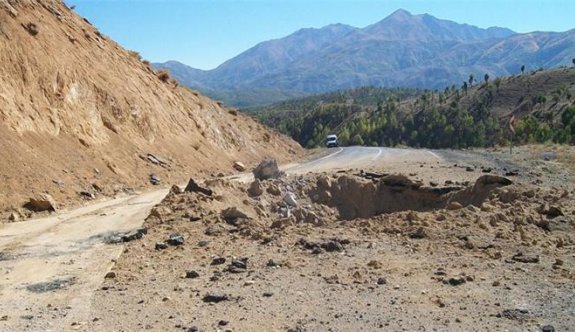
x=81, y=114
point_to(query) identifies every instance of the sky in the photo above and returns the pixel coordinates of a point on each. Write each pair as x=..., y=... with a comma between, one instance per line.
x=205, y=33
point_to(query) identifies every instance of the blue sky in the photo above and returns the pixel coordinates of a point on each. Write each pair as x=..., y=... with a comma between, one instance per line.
x=205, y=33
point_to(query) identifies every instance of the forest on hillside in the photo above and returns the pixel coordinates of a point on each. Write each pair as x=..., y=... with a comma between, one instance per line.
x=454, y=118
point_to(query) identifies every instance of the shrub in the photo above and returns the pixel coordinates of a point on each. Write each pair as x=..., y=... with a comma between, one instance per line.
x=163, y=75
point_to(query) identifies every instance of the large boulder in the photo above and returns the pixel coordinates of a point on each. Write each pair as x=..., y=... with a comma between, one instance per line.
x=267, y=169
x=42, y=202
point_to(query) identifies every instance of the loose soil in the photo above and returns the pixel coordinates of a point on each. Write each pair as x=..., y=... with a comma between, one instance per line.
x=478, y=255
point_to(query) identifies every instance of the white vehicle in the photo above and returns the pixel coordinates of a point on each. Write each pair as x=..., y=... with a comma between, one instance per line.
x=331, y=141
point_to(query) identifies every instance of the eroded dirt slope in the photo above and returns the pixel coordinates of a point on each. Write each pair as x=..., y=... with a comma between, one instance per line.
x=80, y=113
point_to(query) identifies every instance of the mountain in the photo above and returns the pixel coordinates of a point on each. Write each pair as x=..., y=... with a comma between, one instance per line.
x=402, y=50
x=80, y=114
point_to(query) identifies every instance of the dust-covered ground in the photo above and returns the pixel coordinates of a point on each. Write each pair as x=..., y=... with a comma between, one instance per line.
x=484, y=244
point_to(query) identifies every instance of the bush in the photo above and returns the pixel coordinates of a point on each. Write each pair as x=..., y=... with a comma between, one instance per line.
x=163, y=75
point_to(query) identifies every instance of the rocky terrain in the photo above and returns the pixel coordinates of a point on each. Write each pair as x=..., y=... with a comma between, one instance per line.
x=485, y=244
x=83, y=119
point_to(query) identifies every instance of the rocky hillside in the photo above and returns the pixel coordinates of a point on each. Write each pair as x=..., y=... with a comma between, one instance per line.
x=402, y=50
x=81, y=117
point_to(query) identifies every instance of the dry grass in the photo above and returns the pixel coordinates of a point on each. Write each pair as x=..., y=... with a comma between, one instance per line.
x=163, y=75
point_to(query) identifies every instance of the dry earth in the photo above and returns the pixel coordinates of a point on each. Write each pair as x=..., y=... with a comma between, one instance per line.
x=358, y=252
x=80, y=114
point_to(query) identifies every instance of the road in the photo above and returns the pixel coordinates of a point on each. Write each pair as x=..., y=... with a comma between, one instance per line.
x=67, y=251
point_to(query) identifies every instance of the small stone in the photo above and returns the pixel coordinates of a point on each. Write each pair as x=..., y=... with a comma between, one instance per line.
x=218, y=261
x=268, y=294
x=14, y=217
x=454, y=205
x=456, y=281
x=110, y=275
x=256, y=189
x=215, y=297
x=203, y=243
x=192, y=274
x=381, y=281
x=496, y=283
x=175, y=239
x=332, y=246
x=239, y=166
x=272, y=263
x=161, y=246
x=520, y=257
x=548, y=328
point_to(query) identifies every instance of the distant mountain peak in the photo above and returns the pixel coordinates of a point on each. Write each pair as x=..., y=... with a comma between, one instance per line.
x=400, y=13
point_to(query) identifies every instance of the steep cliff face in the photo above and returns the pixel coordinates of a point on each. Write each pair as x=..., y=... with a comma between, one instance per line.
x=78, y=110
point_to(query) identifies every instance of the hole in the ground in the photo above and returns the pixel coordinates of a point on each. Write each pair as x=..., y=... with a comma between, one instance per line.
x=355, y=197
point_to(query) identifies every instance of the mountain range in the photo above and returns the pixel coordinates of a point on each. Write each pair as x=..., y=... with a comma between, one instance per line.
x=402, y=50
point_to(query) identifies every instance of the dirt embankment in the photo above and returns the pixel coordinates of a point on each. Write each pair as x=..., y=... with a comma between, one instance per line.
x=81, y=114
x=347, y=251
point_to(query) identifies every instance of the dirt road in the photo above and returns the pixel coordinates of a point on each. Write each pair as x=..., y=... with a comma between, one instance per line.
x=51, y=266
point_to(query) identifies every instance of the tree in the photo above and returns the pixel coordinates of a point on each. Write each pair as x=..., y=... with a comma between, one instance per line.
x=471, y=78
x=522, y=69
x=497, y=83
x=465, y=87
x=573, y=61
x=486, y=77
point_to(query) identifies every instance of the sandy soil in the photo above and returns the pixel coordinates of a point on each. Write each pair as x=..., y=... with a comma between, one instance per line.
x=505, y=263
x=335, y=263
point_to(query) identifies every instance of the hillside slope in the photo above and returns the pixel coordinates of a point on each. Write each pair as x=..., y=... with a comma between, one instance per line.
x=80, y=113
x=402, y=50
x=542, y=101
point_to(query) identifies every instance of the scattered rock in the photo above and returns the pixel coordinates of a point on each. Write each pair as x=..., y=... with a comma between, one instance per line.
x=267, y=169
x=161, y=246
x=110, y=275
x=154, y=179
x=550, y=211
x=232, y=215
x=548, y=328
x=175, y=189
x=289, y=198
x=239, y=166
x=514, y=314
x=268, y=294
x=175, y=239
x=454, y=205
x=520, y=257
x=42, y=202
x=193, y=187
x=215, y=297
x=192, y=274
x=272, y=263
x=14, y=217
x=134, y=235
x=223, y=323
x=87, y=195
x=332, y=246
x=381, y=281
x=455, y=281
x=218, y=261
x=419, y=233
x=256, y=189
x=274, y=190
